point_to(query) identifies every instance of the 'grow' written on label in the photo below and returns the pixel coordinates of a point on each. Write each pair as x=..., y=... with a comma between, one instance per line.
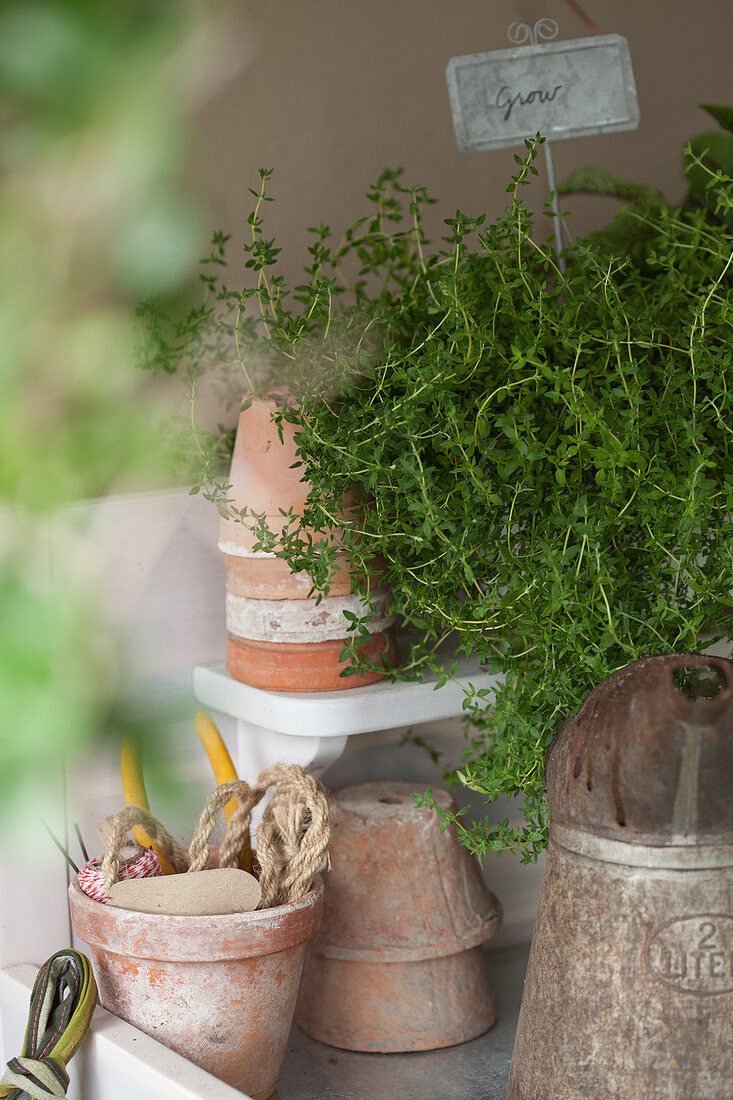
x=562, y=89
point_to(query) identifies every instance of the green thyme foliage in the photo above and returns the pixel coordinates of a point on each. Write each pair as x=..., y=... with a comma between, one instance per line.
x=547, y=460
x=708, y=166
x=600, y=181
x=709, y=163
x=551, y=469
x=311, y=336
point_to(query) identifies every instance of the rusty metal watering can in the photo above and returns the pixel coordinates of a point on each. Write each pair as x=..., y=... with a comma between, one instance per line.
x=629, y=988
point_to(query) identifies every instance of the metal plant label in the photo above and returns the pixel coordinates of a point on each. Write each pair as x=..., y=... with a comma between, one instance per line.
x=563, y=89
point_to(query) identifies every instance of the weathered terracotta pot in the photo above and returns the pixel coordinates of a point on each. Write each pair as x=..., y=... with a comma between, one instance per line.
x=279, y=637
x=261, y=577
x=309, y=666
x=266, y=475
x=219, y=990
x=629, y=987
x=265, y=577
x=398, y=964
x=295, y=645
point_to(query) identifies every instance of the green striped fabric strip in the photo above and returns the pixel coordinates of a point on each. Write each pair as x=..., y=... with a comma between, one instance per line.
x=63, y=1000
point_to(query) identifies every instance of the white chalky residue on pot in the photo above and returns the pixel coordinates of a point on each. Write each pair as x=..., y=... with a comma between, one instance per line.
x=228, y=547
x=305, y=620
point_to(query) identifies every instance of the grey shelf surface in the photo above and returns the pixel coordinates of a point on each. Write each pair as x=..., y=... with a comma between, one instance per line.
x=478, y=1070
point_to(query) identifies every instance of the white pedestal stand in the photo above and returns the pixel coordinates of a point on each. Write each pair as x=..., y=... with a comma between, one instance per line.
x=312, y=728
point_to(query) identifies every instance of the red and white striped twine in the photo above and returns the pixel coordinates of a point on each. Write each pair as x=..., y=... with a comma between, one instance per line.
x=92, y=883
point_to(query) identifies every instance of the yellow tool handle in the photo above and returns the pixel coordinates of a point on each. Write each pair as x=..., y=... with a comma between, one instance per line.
x=133, y=786
x=223, y=769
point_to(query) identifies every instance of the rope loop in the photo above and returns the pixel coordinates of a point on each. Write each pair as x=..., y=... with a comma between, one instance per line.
x=292, y=840
x=120, y=825
x=237, y=831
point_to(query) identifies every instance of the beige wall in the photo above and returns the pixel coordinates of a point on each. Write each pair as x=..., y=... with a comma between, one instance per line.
x=329, y=92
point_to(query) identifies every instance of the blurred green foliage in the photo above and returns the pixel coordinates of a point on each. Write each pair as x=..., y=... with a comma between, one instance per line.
x=93, y=102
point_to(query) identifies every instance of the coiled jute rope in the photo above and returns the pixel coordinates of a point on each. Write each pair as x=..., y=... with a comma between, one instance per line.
x=292, y=839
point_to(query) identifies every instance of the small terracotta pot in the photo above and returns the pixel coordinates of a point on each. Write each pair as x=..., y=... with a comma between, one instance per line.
x=309, y=666
x=266, y=474
x=261, y=474
x=279, y=639
x=398, y=964
x=265, y=577
x=219, y=990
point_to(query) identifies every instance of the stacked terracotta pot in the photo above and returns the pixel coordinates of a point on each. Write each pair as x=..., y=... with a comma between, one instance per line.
x=398, y=964
x=280, y=636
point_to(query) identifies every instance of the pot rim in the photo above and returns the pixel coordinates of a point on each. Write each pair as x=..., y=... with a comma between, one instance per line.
x=165, y=937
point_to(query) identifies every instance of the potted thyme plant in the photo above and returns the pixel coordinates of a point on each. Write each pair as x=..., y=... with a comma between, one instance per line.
x=547, y=458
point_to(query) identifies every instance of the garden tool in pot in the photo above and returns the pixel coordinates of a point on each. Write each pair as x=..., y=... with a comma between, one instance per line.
x=293, y=842
x=629, y=988
x=133, y=784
